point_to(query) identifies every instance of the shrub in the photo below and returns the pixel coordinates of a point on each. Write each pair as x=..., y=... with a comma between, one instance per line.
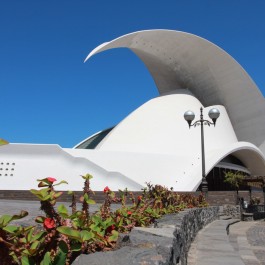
x=61, y=236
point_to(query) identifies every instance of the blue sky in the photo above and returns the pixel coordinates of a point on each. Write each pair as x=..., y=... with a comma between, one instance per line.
x=48, y=95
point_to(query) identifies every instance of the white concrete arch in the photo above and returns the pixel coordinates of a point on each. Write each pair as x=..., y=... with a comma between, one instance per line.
x=251, y=156
x=178, y=60
x=155, y=142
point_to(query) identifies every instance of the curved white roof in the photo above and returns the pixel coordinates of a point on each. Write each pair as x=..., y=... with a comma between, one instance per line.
x=178, y=60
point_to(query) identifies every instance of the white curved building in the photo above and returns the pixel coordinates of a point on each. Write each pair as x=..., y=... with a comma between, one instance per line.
x=154, y=143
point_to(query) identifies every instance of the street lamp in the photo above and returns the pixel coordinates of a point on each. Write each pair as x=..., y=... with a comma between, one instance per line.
x=189, y=117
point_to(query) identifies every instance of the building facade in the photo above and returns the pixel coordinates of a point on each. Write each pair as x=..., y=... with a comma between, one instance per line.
x=154, y=143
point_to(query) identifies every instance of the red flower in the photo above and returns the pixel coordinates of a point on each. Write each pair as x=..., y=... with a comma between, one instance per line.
x=139, y=198
x=129, y=212
x=106, y=189
x=50, y=179
x=49, y=223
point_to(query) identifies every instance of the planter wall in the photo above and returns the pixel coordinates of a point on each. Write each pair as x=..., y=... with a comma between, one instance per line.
x=167, y=242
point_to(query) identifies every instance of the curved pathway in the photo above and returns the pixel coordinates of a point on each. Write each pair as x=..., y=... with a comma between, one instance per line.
x=245, y=244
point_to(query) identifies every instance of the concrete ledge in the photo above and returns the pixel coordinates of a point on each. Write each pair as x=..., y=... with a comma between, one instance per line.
x=167, y=242
x=247, y=216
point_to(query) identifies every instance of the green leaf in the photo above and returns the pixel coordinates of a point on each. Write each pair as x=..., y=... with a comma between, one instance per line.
x=33, y=191
x=46, y=198
x=31, y=252
x=61, y=182
x=41, y=194
x=57, y=195
x=121, y=222
x=108, y=222
x=45, y=180
x=25, y=260
x=114, y=236
x=70, y=232
x=20, y=216
x=35, y=244
x=40, y=219
x=112, y=194
x=39, y=236
x=34, y=248
x=45, y=193
x=12, y=229
x=14, y=257
x=42, y=184
x=96, y=219
x=62, y=209
x=47, y=259
x=85, y=198
x=53, y=202
x=61, y=256
x=3, y=142
x=4, y=220
x=90, y=201
x=23, y=240
x=87, y=176
x=95, y=228
x=40, y=197
x=29, y=234
x=75, y=215
x=85, y=235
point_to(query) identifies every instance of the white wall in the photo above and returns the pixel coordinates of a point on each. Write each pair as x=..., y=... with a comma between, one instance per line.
x=153, y=144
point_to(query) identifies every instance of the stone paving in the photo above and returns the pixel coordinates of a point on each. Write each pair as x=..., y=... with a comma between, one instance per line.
x=239, y=241
x=256, y=238
x=245, y=239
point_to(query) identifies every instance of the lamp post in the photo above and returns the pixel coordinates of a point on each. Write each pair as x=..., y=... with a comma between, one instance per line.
x=189, y=117
x=263, y=189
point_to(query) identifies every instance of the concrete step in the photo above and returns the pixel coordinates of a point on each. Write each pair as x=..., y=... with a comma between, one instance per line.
x=225, y=217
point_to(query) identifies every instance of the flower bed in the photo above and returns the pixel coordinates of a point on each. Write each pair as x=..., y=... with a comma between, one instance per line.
x=65, y=235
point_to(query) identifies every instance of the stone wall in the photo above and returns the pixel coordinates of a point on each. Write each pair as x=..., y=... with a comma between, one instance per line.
x=25, y=195
x=167, y=242
x=215, y=198
x=232, y=210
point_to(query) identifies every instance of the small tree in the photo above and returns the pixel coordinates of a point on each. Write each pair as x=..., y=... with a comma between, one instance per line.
x=3, y=142
x=234, y=179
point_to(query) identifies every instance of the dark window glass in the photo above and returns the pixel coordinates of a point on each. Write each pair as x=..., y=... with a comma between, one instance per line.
x=93, y=141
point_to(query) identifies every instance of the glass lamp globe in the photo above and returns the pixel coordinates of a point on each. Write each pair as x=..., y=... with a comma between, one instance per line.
x=214, y=114
x=189, y=116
